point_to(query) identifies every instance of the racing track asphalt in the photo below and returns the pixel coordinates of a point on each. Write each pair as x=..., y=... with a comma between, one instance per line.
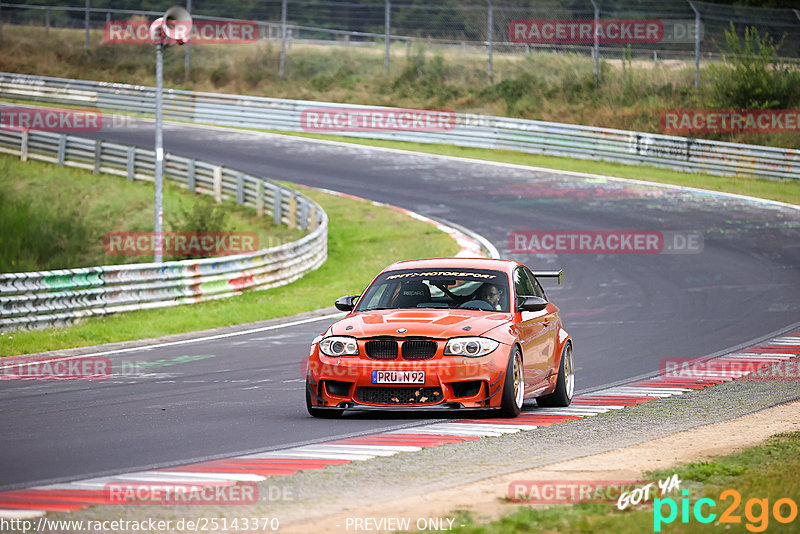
x=626, y=312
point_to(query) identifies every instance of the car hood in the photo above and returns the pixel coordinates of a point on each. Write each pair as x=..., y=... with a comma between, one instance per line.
x=423, y=323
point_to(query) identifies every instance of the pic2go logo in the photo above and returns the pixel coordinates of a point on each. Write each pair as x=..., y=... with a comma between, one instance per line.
x=756, y=511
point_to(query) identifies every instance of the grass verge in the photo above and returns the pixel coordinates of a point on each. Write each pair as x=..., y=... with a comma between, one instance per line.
x=762, y=475
x=56, y=217
x=362, y=239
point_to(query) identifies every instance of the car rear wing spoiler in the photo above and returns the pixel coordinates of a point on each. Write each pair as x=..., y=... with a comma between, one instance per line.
x=550, y=274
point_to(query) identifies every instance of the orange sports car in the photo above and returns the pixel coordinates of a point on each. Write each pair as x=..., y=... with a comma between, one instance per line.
x=444, y=334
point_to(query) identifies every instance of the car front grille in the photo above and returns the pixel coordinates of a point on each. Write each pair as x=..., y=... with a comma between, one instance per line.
x=399, y=395
x=412, y=349
x=381, y=349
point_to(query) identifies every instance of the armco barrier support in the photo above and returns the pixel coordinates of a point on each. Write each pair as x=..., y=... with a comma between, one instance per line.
x=538, y=137
x=52, y=298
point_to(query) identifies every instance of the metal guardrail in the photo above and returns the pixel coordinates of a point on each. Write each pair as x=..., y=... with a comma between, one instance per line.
x=537, y=137
x=55, y=298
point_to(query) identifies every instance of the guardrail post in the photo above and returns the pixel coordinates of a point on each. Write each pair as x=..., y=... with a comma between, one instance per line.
x=47, y=20
x=387, y=24
x=292, y=212
x=62, y=148
x=596, y=49
x=696, y=44
x=260, y=198
x=283, y=38
x=98, y=149
x=491, y=38
x=23, y=148
x=218, y=184
x=86, y=26
x=277, y=207
x=303, y=215
x=312, y=218
x=130, y=166
x=187, y=57
x=239, y=189
x=190, y=177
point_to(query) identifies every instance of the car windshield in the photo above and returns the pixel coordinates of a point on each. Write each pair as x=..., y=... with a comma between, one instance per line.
x=475, y=289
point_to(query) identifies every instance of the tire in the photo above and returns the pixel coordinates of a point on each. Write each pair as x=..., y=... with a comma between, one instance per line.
x=513, y=386
x=565, y=384
x=322, y=413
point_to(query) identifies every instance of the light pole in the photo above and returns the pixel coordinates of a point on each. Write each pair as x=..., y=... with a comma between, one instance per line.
x=187, y=58
x=164, y=32
x=158, y=253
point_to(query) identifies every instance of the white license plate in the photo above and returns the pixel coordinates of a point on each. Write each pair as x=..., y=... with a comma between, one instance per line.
x=398, y=377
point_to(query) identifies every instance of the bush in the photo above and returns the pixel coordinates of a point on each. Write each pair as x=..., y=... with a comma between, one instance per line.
x=221, y=75
x=203, y=216
x=426, y=78
x=520, y=94
x=752, y=76
x=257, y=68
x=414, y=69
x=344, y=75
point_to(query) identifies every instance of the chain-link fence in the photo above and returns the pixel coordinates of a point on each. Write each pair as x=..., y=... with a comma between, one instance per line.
x=651, y=30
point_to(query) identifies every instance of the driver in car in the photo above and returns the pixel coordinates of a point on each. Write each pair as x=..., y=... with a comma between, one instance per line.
x=491, y=294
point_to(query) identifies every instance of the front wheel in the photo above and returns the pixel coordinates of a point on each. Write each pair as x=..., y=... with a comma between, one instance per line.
x=513, y=386
x=565, y=384
x=324, y=413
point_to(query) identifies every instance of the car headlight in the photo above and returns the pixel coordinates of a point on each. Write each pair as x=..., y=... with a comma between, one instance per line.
x=339, y=346
x=471, y=347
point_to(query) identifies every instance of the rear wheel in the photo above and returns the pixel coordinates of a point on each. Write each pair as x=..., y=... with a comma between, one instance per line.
x=565, y=385
x=324, y=413
x=513, y=386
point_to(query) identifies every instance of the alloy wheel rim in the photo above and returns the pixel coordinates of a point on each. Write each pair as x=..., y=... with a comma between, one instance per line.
x=519, y=382
x=569, y=375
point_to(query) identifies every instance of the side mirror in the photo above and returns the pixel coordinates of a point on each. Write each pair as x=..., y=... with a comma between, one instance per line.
x=533, y=304
x=346, y=303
